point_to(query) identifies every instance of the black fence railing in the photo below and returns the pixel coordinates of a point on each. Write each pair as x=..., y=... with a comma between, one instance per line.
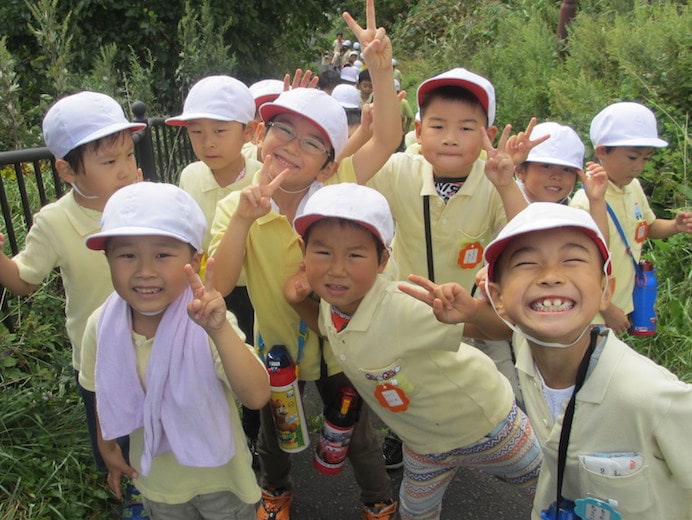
x=29, y=179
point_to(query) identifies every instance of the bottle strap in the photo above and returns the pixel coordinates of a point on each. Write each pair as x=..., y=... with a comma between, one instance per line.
x=428, y=238
x=621, y=232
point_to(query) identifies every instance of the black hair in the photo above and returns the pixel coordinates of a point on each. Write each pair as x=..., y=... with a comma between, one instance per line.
x=75, y=157
x=452, y=93
x=344, y=222
x=328, y=79
x=353, y=116
x=364, y=75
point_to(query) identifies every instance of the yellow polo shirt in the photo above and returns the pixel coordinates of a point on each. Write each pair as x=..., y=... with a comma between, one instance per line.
x=57, y=239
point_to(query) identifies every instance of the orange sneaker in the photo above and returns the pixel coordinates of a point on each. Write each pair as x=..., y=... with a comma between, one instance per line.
x=276, y=505
x=379, y=511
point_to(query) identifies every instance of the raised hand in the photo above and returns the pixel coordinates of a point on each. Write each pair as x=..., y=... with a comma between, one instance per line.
x=297, y=287
x=450, y=302
x=207, y=309
x=499, y=167
x=595, y=181
x=518, y=146
x=255, y=200
x=300, y=79
x=374, y=42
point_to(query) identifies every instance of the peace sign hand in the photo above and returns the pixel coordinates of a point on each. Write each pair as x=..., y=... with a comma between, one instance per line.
x=255, y=200
x=208, y=308
x=374, y=42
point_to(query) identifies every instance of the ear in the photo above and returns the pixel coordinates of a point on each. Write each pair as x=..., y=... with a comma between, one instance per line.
x=65, y=171
x=417, y=126
x=492, y=133
x=600, y=152
x=383, y=261
x=327, y=171
x=196, y=262
x=301, y=243
x=520, y=171
x=250, y=131
x=607, y=292
x=496, y=295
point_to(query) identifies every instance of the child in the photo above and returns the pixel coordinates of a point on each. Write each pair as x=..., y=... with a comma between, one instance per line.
x=446, y=207
x=349, y=98
x=252, y=232
x=167, y=364
x=447, y=401
x=624, y=137
x=263, y=91
x=364, y=86
x=627, y=442
x=91, y=141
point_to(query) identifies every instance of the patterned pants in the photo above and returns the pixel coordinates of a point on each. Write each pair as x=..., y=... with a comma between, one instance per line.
x=510, y=452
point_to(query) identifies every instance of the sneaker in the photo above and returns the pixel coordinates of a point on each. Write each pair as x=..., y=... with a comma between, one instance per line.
x=133, y=509
x=275, y=505
x=391, y=449
x=379, y=511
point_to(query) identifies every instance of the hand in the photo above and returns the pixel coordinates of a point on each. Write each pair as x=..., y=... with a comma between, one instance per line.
x=306, y=80
x=374, y=42
x=519, y=146
x=615, y=319
x=481, y=275
x=683, y=222
x=450, y=302
x=366, y=117
x=297, y=288
x=499, y=167
x=117, y=467
x=595, y=181
x=208, y=308
x=255, y=200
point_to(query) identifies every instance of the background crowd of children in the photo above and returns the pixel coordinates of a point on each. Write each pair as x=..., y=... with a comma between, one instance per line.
x=303, y=220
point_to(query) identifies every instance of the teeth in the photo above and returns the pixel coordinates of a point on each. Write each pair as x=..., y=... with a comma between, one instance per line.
x=147, y=291
x=552, y=305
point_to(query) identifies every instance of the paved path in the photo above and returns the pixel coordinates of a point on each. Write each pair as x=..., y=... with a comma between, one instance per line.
x=471, y=495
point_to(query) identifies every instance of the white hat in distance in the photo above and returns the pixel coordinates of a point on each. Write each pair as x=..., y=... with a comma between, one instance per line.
x=349, y=201
x=82, y=118
x=151, y=208
x=541, y=216
x=318, y=107
x=563, y=147
x=459, y=77
x=347, y=95
x=350, y=74
x=625, y=124
x=266, y=90
x=221, y=98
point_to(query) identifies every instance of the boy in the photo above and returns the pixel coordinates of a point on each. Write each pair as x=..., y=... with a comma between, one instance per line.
x=624, y=137
x=446, y=208
x=91, y=140
x=263, y=91
x=446, y=401
x=167, y=364
x=628, y=440
x=252, y=232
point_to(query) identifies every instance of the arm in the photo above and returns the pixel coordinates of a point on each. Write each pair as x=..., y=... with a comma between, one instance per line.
x=114, y=460
x=247, y=377
x=254, y=202
x=377, y=50
x=362, y=134
x=664, y=228
x=9, y=274
x=595, y=183
x=451, y=303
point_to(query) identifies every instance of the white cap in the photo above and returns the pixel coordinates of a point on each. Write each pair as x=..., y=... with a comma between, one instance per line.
x=346, y=43
x=541, y=216
x=477, y=85
x=394, y=62
x=151, y=208
x=563, y=147
x=347, y=95
x=353, y=53
x=318, y=107
x=358, y=65
x=349, y=74
x=221, y=98
x=266, y=90
x=397, y=85
x=356, y=45
x=82, y=118
x=625, y=124
x=360, y=204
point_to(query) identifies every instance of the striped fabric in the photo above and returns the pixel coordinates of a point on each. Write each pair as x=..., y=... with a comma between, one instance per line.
x=510, y=452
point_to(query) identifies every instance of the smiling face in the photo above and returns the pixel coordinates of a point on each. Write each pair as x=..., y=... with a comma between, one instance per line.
x=550, y=283
x=148, y=273
x=547, y=182
x=623, y=164
x=218, y=144
x=450, y=135
x=342, y=262
x=304, y=167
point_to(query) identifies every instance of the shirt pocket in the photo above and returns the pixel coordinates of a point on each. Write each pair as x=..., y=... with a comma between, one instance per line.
x=632, y=491
x=394, y=374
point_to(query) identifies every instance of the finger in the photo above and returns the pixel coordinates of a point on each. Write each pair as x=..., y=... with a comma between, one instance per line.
x=353, y=25
x=401, y=95
x=417, y=293
x=313, y=82
x=530, y=126
x=275, y=183
x=296, y=78
x=265, y=178
x=502, y=144
x=209, y=274
x=370, y=22
x=287, y=82
x=305, y=81
x=422, y=281
x=193, y=280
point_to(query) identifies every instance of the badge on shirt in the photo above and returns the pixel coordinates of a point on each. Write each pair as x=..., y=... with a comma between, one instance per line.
x=641, y=232
x=470, y=255
x=391, y=397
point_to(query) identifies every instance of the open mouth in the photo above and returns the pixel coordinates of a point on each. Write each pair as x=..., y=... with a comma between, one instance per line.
x=552, y=305
x=147, y=290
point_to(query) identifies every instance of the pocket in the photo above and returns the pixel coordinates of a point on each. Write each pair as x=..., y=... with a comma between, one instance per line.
x=393, y=373
x=632, y=491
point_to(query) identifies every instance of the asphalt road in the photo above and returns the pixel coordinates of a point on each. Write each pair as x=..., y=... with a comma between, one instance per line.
x=471, y=495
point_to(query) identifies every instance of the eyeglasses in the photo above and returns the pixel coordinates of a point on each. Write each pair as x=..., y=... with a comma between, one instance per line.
x=286, y=134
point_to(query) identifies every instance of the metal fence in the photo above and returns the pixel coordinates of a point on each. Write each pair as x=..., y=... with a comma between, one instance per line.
x=29, y=179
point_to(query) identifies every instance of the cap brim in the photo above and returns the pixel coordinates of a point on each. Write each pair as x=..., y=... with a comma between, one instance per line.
x=303, y=222
x=182, y=120
x=108, y=130
x=432, y=84
x=651, y=141
x=97, y=241
x=553, y=160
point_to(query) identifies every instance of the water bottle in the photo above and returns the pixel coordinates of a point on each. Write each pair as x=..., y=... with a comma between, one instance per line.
x=643, y=317
x=286, y=402
x=339, y=420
